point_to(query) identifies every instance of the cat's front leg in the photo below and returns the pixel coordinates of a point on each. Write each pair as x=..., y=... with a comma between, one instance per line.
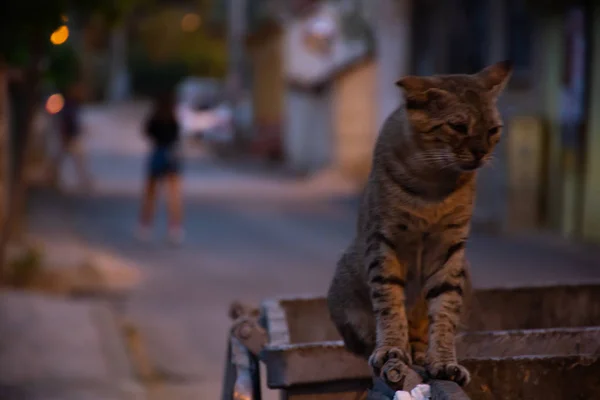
x=444, y=290
x=386, y=280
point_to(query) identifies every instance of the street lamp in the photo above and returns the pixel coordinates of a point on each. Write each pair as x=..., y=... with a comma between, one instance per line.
x=190, y=22
x=60, y=35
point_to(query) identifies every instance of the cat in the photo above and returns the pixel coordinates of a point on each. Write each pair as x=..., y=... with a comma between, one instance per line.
x=413, y=226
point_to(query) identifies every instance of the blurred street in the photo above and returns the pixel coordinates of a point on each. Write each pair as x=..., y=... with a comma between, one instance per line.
x=249, y=236
x=244, y=240
x=252, y=126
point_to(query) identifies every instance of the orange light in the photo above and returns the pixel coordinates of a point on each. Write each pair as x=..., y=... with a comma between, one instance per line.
x=64, y=18
x=190, y=22
x=55, y=103
x=60, y=35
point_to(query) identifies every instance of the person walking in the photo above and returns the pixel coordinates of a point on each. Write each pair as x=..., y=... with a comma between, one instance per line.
x=164, y=166
x=70, y=138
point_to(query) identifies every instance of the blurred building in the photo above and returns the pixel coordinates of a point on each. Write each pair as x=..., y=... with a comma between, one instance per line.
x=315, y=81
x=323, y=73
x=545, y=173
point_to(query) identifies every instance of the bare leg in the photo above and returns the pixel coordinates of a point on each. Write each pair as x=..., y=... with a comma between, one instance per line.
x=175, y=208
x=148, y=202
x=174, y=201
x=57, y=165
x=80, y=166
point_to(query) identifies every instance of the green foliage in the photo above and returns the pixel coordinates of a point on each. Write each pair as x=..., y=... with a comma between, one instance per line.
x=20, y=27
x=218, y=11
x=25, y=22
x=149, y=77
x=63, y=66
x=25, y=268
x=203, y=55
x=165, y=53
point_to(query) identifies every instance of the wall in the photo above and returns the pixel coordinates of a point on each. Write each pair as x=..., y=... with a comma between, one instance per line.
x=305, y=65
x=591, y=199
x=522, y=97
x=308, y=126
x=355, y=120
x=268, y=83
x=530, y=92
x=391, y=22
x=308, y=139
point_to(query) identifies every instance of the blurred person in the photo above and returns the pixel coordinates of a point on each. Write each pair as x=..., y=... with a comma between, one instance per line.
x=70, y=137
x=164, y=165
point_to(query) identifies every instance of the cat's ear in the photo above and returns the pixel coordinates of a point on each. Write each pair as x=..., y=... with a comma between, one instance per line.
x=414, y=84
x=421, y=90
x=495, y=77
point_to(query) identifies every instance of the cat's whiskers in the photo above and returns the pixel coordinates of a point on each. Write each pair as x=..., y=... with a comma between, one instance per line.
x=490, y=161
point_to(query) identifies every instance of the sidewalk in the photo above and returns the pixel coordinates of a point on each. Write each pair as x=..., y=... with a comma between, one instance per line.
x=56, y=349
x=53, y=346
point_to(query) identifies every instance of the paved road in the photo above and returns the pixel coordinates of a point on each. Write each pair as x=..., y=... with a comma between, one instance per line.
x=246, y=239
x=245, y=247
x=235, y=249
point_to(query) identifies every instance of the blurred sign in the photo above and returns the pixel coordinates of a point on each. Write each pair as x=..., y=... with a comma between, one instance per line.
x=319, y=34
x=314, y=48
x=525, y=167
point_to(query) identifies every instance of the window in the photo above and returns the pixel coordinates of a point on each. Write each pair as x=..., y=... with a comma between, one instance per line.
x=519, y=30
x=468, y=37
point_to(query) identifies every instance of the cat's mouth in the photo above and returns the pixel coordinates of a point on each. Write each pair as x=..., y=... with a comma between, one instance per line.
x=471, y=165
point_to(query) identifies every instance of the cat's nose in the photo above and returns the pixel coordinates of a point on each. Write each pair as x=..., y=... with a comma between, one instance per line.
x=478, y=154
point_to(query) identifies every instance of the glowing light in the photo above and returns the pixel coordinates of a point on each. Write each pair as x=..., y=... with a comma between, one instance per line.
x=64, y=18
x=55, y=103
x=60, y=35
x=190, y=22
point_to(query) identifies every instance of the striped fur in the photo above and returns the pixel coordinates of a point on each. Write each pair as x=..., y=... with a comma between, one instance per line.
x=413, y=225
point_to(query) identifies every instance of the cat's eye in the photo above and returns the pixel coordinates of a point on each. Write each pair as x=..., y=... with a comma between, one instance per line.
x=494, y=131
x=460, y=128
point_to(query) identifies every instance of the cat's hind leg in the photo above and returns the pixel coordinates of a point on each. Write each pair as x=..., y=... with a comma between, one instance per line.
x=358, y=332
x=351, y=313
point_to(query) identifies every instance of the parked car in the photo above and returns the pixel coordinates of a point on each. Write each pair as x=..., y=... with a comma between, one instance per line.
x=202, y=111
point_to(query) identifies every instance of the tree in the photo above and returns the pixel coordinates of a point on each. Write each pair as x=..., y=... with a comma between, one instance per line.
x=163, y=55
x=25, y=30
x=4, y=144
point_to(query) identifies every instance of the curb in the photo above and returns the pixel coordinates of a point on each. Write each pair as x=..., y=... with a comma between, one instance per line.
x=116, y=352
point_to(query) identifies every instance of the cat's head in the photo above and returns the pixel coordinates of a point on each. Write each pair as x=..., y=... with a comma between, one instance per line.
x=455, y=119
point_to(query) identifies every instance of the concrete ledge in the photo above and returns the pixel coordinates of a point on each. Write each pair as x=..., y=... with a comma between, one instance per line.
x=538, y=342
x=305, y=319
x=519, y=377
x=534, y=307
x=548, y=378
x=305, y=349
x=303, y=364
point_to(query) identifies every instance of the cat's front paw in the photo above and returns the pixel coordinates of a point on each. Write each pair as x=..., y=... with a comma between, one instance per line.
x=390, y=363
x=449, y=371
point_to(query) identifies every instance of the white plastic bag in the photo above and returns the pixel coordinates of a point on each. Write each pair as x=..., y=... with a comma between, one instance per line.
x=420, y=392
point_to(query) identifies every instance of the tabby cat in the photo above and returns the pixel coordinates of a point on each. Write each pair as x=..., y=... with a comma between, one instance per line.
x=414, y=223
